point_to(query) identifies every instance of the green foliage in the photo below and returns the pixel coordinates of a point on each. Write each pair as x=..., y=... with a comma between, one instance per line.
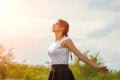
x=28, y=72
x=5, y=61
x=83, y=71
x=10, y=70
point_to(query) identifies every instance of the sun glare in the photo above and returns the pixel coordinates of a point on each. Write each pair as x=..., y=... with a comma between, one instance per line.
x=10, y=10
x=4, y=8
x=7, y=15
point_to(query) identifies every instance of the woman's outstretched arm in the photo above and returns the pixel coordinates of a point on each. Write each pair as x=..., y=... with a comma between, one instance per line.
x=69, y=44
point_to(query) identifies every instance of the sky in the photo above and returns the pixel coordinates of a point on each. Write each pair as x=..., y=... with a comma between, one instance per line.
x=25, y=25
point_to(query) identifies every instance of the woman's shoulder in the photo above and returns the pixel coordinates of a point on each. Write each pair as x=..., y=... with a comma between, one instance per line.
x=67, y=40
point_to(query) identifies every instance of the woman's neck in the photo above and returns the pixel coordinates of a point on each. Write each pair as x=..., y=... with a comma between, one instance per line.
x=58, y=37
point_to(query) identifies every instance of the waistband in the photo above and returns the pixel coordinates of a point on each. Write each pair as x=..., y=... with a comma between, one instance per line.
x=59, y=66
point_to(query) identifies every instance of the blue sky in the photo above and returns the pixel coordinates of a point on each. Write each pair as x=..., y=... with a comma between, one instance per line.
x=26, y=25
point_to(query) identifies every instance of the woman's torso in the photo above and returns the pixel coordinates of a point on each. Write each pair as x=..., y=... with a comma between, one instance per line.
x=58, y=54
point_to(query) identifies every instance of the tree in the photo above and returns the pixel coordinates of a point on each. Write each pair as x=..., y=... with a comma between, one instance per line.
x=5, y=61
x=83, y=71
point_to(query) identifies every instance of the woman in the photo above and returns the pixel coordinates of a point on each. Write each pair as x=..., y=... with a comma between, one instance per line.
x=59, y=53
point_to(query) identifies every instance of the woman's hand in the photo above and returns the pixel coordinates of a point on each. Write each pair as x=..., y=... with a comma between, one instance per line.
x=103, y=69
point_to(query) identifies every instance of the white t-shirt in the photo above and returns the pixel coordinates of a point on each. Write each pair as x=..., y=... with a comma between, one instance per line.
x=58, y=54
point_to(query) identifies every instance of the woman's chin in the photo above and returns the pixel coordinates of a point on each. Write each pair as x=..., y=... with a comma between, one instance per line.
x=53, y=30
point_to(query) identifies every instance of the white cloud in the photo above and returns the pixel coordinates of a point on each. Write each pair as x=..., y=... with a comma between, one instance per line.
x=105, y=4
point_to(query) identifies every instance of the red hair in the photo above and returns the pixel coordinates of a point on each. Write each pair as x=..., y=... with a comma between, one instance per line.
x=64, y=24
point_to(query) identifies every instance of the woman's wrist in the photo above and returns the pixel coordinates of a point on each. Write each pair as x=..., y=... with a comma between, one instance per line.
x=98, y=67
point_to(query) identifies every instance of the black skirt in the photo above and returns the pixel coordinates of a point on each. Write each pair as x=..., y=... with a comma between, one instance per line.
x=60, y=72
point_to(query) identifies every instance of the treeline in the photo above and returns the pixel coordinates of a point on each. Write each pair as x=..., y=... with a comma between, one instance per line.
x=83, y=71
x=10, y=70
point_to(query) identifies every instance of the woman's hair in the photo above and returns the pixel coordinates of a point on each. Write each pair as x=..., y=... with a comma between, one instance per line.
x=64, y=24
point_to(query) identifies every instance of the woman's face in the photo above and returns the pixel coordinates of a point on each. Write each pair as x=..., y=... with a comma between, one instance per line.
x=56, y=27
